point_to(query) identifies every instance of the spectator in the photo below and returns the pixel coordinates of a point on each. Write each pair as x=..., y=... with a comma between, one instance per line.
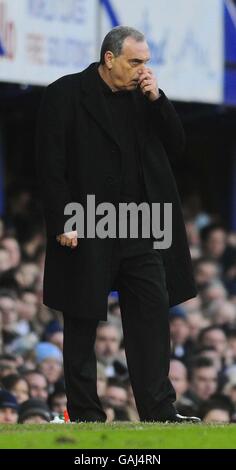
x=215, y=337
x=219, y=409
x=196, y=322
x=230, y=389
x=8, y=308
x=107, y=346
x=50, y=362
x=27, y=275
x=5, y=261
x=8, y=408
x=54, y=333
x=178, y=376
x=214, y=243
x=231, y=337
x=213, y=238
x=13, y=248
x=38, y=385
x=8, y=365
x=34, y=411
x=28, y=307
x=57, y=401
x=179, y=332
x=206, y=271
x=222, y=313
x=117, y=397
x=116, y=394
x=214, y=291
x=210, y=353
x=101, y=380
x=202, y=380
x=17, y=386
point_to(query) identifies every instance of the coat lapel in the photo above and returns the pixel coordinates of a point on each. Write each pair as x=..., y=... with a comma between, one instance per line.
x=140, y=118
x=94, y=101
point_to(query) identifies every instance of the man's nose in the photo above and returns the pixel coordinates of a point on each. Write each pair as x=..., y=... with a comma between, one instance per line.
x=141, y=69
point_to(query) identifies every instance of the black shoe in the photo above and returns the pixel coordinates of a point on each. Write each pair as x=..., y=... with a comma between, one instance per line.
x=177, y=418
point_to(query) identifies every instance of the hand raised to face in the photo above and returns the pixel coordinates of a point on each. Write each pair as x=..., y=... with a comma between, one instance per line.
x=148, y=84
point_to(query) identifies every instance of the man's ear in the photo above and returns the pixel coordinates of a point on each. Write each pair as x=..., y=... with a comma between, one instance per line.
x=108, y=59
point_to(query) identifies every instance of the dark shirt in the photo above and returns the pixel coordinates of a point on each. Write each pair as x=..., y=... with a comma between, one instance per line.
x=121, y=108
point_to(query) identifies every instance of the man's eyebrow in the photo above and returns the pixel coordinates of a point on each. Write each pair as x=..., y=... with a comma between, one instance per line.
x=139, y=61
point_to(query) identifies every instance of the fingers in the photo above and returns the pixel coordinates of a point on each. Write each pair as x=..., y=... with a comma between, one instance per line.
x=147, y=85
x=74, y=243
x=67, y=241
x=63, y=240
x=147, y=74
x=147, y=88
x=146, y=82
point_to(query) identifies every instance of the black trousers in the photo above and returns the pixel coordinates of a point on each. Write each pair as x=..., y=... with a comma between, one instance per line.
x=139, y=273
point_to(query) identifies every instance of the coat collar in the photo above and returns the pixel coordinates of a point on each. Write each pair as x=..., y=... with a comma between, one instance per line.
x=94, y=101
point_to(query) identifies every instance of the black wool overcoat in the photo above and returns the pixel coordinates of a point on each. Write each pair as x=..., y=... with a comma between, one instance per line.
x=77, y=154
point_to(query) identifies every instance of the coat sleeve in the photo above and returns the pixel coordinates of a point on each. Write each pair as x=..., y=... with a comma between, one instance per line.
x=166, y=123
x=50, y=152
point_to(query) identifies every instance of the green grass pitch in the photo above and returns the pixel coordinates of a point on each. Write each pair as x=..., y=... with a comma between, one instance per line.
x=123, y=435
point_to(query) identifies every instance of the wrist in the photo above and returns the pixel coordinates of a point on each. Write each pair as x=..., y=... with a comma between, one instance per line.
x=155, y=96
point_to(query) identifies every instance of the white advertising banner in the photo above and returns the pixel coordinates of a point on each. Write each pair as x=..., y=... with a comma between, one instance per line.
x=186, y=42
x=41, y=40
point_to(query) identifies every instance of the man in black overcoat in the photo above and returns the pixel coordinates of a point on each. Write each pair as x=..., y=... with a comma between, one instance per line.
x=109, y=131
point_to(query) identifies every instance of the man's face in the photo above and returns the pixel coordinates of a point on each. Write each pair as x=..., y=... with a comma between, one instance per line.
x=107, y=343
x=206, y=272
x=28, y=306
x=217, y=416
x=12, y=246
x=178, y=377
x=38, y=386
x=59, y=403
x=216, y=243
x=116, y=396
x=8, y=308
x=51, y=369
x=8, y=416
x=5, y=262
x=126, y=68
x=21, y=391
x=179, y=331
x=216, y=339
x=204, y=382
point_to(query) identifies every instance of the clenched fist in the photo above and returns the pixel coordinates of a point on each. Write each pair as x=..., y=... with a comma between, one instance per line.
x=69, y=239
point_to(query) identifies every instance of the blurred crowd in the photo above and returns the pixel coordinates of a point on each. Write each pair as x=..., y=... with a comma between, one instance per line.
x=203, y=329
